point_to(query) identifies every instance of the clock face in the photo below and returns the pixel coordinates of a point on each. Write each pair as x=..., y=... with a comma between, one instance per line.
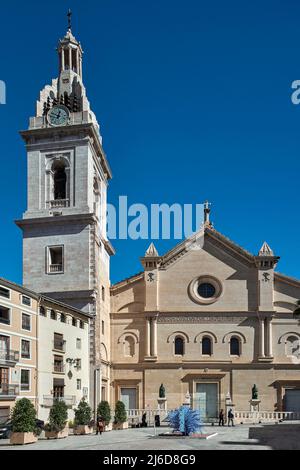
x=58, y=116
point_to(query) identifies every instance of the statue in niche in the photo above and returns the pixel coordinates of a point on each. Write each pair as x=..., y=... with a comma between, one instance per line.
x=162, y=391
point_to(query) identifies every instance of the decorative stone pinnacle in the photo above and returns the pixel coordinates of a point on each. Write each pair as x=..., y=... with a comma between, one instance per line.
x=265, y=250
x=152, y=251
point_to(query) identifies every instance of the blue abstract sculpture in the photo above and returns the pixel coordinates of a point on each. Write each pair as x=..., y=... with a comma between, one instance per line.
x=185, y=420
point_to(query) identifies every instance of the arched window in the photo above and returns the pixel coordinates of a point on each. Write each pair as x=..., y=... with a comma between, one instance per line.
x=206, y=346
x=59, y=180
x=235, y=346
x=292, y=346
x=129, y=346
x=179, y=346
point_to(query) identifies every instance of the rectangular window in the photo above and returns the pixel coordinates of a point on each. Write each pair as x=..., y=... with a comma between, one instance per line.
x=63, y=318
x=78, y=364
x=4, y=315
x=43, y=311
x=55, y=259
x=78, y=384
x=4, y=292
x=26, y=300
x=52, y=314
x=26, y=322
x=102, y=323
x=78, y=343
x=103, y=293
x=81, y=324
x=25, y=380
x=25, y=349
x=59, y=343
x=74, y=321
x=58, y=364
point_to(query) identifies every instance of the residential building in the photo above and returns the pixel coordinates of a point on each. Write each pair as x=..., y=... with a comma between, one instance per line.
x=44, y=351
x=63, y=356
x=18, y=345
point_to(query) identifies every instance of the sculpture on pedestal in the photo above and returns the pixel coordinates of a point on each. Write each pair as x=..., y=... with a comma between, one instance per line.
x=162, y=391
x=254, y=392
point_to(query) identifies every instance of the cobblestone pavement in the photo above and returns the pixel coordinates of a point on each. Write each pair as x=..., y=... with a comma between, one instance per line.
x=241, y=437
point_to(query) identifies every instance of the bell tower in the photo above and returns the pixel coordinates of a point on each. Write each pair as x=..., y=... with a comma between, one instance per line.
x=66, y=253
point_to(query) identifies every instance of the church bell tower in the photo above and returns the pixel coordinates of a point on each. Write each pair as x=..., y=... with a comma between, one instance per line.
x=66, y=253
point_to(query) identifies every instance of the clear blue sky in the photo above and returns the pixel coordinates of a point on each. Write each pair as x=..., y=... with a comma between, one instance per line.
x=194, y=103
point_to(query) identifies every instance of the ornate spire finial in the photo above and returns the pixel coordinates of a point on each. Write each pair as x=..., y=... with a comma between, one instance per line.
x=69, y=15
x=206, y=212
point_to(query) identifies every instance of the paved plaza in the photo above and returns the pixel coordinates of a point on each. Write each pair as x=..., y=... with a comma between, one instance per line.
x=242, y=437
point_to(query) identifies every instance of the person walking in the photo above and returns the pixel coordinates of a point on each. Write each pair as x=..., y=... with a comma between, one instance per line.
x=230, y=417
x=221, y=418
x=99, y=425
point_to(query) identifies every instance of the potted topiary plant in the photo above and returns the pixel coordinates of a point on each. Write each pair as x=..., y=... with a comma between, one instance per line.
x=24, y=430
x=57, y=428
x=120, y=421
x=83, y=418
x=103, y=410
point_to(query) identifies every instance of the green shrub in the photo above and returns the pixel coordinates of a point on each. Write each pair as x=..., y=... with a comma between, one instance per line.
x=71, y=424
x=23, y=416
x=58, y=416
x=83, y=414
x=120, y=413
x=104, y=411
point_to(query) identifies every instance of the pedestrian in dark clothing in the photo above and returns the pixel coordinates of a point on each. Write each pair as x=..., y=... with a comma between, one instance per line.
x=230, y=417
x=221, y=418
x=99, y=425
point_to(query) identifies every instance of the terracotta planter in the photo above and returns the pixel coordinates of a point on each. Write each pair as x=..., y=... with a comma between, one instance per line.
x=21, y=438
x=57, y=435
x=108, y=427
x=120, y=426
x=81, y=429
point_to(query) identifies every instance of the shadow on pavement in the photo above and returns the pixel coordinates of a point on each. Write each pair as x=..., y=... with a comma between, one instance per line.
x=277, y=436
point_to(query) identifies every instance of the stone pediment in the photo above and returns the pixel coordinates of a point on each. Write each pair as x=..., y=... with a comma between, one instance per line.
x=197, y=241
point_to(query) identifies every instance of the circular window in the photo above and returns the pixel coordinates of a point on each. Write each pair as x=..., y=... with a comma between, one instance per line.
x=205, y=289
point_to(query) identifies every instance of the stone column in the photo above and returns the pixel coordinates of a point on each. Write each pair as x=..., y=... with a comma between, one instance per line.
x=269, y=337
x=154, y=336
x=147, y=339
x=70, y=58
x=63, y=59
x=262, y=337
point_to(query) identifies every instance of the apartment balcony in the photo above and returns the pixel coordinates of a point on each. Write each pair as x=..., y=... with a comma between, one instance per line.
x=56, y=203
x=48, y=400
x=59, y=346
x=8, y=391
x=8, y=357
x=59, y=369
x=55, y=268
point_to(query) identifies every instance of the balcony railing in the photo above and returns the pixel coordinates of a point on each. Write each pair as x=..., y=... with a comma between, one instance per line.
x=59, y=368
x=48, y=400
x=59, y=203
x=8, y=355
x=5, y=320
x=55, y=268
x=8, y=390
x=59, y=345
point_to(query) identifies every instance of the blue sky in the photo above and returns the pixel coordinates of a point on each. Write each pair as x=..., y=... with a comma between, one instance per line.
x=193, y=99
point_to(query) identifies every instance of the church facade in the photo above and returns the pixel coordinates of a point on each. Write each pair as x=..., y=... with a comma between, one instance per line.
x=210, y=321
x=207, y=320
